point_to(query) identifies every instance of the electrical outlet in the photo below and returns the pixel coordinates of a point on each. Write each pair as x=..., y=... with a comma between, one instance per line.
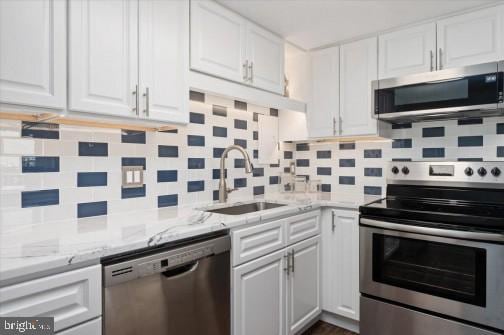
x=132, y=176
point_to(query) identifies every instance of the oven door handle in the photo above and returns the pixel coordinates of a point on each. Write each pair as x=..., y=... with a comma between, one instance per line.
x=467, y=235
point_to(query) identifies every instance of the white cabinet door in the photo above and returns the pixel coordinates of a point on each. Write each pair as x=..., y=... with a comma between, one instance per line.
x=217, y=40
x=268, y=139
x=473, y=38
x=358, y=67
x=93, y=327
x=407, y=51
x=33, y=55
x=164, y=54
x=265, y=53
x=344, y=262
x=303, y=298
x=103, y=56
x=323, y=107
x=259, y=296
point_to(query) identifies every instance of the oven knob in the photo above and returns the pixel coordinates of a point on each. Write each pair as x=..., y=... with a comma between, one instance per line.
x=395, y=170
x=496, y=172
x=405, y=170
x=482, y=171
x=469, y=171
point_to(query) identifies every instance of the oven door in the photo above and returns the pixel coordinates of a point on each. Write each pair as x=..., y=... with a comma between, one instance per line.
x=471, y=91
x=450, y=276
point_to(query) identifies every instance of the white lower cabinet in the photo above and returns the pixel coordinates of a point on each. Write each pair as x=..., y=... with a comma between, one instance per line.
x=340, y=262
x=93, y=327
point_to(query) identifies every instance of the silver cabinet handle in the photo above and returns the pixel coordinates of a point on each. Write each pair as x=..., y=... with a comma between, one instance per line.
x=293, y=259
x=147, y=102
x=287, y=267
x=135, y=93
x=431, y=60
x=245, y=70
x=333, y=224
x=251, y=69
x=440, y=58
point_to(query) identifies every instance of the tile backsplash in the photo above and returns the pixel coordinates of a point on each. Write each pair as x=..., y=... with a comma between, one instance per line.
x=53, y=172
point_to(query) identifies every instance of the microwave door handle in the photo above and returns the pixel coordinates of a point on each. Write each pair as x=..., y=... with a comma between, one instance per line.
x=468, y=235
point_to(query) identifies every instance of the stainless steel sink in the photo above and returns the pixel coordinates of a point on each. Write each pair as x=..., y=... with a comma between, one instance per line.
x=245, y=208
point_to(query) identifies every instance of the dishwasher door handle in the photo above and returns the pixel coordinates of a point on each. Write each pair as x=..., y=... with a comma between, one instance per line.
x=180, y=271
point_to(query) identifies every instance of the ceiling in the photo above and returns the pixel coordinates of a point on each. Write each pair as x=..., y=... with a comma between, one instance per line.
x=314, y=23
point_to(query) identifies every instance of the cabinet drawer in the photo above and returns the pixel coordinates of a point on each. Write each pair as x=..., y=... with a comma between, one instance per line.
x=302, y=226
x=71, y=297
x=93, y=327
x=253, y=242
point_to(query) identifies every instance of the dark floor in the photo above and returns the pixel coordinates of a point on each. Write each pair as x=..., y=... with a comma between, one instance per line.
x=322, y=328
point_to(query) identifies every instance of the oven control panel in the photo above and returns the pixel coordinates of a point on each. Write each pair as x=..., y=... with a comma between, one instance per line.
x=457, y=172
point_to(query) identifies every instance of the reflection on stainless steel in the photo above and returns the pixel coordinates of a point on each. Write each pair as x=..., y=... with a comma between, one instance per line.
x=223, y=190
x=245, y=208
x=181, y=291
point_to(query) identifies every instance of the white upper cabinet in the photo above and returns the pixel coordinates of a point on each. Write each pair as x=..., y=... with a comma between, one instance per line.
x=226, y=45
x=33, y=55
x=407, y=51
x=477, y=37
x=323, y=107
x=218, y=41
x=164, y=60
x=103, y=56
x=358, y=68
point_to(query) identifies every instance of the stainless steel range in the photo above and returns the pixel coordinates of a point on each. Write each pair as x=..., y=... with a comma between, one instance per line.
x=432, y=251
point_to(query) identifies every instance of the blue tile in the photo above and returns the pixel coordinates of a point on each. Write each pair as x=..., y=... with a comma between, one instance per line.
x=40, y=130
x=500, y=128
x=302, y=147
x=198, y=118
x=274, y=180
x=134, y=161
x=169, y=131
x=347, y=146
x=470, y=141
x=255, y=117
x=242, y=143
x=470, y=121
x=325, y=187
x=347, y=162
x=168, y=151
x=372, y=153
x=219, y=131
x=196, y=96
x=287, y=170
x=372, y=190
x=217, y=152
x=195, y=163
x=324, y=171
x=401, y=159
x=93, y=149
x=133, y=136
x=135, y=192
x=166, y=176
x=255, y=135
x=373, y=172
x=347, y=180
x=88, y=179
x=255, y=154
x=258, y=190
x=500, y=151
x=167, y=200
x=219, y=110
x=240, y=124
x=239, y=163
x=288, y=155
x=302, y=162
x=240, y=105
x=216, y=173
x=433, y=152
x=274, y=112
x=216, y=195
x=88, y=209
x=433, y=132
x=401, y=126
x=240, y=182
x=35, y=164
x=274, y=165
x=196, y=186
x=401, y=143
x=323, y=154
x=39, y=198
x=258, y=172
x=472, y=159
x=195, y=141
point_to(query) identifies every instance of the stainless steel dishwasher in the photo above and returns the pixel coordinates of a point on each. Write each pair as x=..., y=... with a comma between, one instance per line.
x=181, y=290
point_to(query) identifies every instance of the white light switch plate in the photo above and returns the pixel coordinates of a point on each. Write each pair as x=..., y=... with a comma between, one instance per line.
x=132, y=176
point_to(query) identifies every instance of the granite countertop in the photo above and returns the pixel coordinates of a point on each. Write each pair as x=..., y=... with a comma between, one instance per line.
x=26, y=250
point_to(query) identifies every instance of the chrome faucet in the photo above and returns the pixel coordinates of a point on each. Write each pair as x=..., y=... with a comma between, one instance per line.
x=223, y=190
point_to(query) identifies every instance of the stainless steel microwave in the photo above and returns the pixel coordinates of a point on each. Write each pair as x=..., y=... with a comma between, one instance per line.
x=471, y=91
